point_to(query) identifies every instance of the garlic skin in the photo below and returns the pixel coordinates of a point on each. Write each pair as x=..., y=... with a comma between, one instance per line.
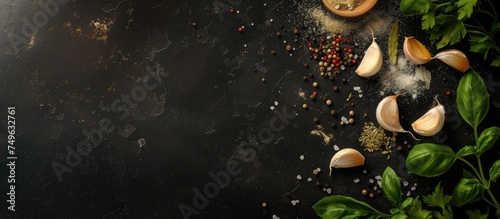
x=431, y=122
x=372, y=60
x=387, y=114
x=454, y=58
x=347, y=158
x=415, y=51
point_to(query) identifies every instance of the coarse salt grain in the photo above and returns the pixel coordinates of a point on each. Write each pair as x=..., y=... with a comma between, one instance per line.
x=329, y=191
x=371, y=181
x=413, y=188
x=336, y=148
x=375, y=188
x=408, y=193
x=309, y=179
x=301, y=157
x=377, y=177
x=318, y=169
x=299, y=177
x=405, y=183
x=356, y=180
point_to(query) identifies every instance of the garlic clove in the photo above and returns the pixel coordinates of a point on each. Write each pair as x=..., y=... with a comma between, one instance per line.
x=431, y=122
x=415, y=51
x=454, y=58
x=387, y=114
x=372, y=60
x=347, y=158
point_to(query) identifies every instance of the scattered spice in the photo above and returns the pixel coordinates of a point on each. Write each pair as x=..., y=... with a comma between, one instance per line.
x=264, y=204
x=374, y=138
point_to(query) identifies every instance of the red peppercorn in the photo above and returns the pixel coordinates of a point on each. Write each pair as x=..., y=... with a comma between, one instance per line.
x=353, y=61
x=337, y=40
x=315, y=93
x=338, y=58
x=309, y=45
x=240, y=29
x=349, y=50
x=448, y=93
x=232, y=10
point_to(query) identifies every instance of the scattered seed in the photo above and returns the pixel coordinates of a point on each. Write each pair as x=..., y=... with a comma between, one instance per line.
x=288, y=48
x=304, y=106
x=315, y=84
x=328, y=102
x=263, y=79
x=343, y=80
x=351, y=113
x=333, y=112
x=364, y=192
x=365, y=115
x=335, y=88
x=351, y=121
x=315, y=120
x=372, y=195
x=264, y=204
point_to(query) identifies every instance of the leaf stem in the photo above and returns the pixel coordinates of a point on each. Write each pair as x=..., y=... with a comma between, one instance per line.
x=485, y=182
x=497, y=206
x=471, y=166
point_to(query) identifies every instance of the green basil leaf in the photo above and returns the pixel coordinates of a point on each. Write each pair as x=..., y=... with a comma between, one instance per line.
x=476, y=214
x=416, y=210
x=466, y=190
x=392, y=47
x=400, y=216
x=391, y=186
x=466, y=150
x=495, y=171
x=473, y=100
x=429, y=159
x=338, y=206
x=488, y=138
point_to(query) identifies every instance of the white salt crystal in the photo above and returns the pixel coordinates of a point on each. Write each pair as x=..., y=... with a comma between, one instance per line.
x=378, y=177
x=299, y=177
x=405, y=183
x=309, y=179
x=375, y=188
x=413, y=188
x=408, y=193
x=329, y=191
x=336, y=148
x=301, y=157
x=356, y=180
x=371, y=181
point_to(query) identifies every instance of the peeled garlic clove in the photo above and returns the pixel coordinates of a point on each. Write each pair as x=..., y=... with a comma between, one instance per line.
x=431, y=122
x=372, y=60
x=387, y=114
x=454, y=58
x=415, y=51
x=347, y=158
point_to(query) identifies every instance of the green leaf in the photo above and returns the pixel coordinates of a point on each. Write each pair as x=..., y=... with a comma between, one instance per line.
x=466, y=151
x=428, y=19
x=413, y=7
x=437, y=198
x=429, y=159
x=495, y=27
x=407, y=202
x=391, y=186
x=393, y=43
x=476, y=214
x=496, y=61
x=416, y=210
x=466, y=190
x=400, y=216
x=338, y=206
x=473, y=100
x=447, y=31
x=487, y=139
x=495, y=171
x=465, y=8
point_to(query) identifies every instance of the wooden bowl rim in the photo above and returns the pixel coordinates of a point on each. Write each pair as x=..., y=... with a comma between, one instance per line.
x=360, y=10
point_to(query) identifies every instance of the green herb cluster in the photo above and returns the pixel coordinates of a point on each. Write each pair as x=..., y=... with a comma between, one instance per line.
x=450, y=21
x=431, y=160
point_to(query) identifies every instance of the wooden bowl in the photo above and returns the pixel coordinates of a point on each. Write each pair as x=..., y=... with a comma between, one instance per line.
x=357, y=11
